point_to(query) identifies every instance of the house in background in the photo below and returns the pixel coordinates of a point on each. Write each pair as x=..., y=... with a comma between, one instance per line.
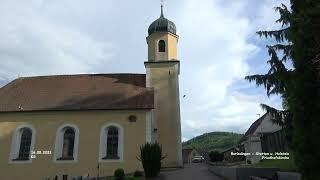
x=263, y=136
x=227, y=157
x=188, y=154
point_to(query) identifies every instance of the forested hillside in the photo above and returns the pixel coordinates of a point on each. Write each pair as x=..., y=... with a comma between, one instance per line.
x=213, y=141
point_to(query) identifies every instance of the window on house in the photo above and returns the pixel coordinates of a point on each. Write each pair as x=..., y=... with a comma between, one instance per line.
x=112, y=143
x=22, y=144
x=68, y=144
x=162, y=46
x=25, y=144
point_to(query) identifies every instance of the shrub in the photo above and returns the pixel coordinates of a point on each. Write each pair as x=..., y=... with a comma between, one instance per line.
x=119, y=174
x=150, y=157
x=138, y=173
x=215, y=156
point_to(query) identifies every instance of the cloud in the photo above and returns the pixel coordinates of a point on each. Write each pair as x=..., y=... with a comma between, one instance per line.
x=217, y=46
x=217, y=52
x=31, y=44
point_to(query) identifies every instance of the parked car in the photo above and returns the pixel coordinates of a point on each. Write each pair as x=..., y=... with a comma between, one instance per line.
x=197, y=159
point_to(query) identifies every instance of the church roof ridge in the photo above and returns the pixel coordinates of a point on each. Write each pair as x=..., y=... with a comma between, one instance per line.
x=77, y=92
x=81, y=74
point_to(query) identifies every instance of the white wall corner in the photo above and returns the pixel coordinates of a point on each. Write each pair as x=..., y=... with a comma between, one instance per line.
x=148, y=77
x=180, y=160
x=148, y=126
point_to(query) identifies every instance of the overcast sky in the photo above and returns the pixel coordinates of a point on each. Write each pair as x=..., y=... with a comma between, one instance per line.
x=217, y=48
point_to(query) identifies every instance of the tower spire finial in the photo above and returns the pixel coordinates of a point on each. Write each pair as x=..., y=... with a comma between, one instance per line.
x=161, y=8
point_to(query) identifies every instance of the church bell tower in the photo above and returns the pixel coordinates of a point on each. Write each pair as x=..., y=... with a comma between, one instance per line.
x=162, y=74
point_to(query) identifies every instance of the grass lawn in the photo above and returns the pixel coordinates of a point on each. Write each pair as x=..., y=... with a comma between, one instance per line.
x=282, y=164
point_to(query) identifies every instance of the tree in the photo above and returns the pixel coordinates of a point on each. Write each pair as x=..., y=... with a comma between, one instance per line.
x=279, y=79
x=215, y=156
x=150, y=157
x=299, y=42
x=305, y=97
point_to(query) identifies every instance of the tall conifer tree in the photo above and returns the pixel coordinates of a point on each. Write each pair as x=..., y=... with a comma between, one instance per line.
x=299, y=42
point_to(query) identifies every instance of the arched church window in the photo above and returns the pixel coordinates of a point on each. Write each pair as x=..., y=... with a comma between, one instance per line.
x=68, y=144
x=22, y=144
x=162, y=46
x=112, y=143
x=25, y=144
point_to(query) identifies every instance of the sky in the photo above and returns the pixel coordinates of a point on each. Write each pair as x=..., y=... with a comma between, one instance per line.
x=217, y=48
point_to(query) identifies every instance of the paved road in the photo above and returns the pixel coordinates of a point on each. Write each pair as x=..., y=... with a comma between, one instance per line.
x=195, y=171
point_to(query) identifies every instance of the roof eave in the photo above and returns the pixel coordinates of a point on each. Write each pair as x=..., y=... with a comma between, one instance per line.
x=72, y=110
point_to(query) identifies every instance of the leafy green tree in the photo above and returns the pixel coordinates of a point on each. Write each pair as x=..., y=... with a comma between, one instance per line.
x=298, y=42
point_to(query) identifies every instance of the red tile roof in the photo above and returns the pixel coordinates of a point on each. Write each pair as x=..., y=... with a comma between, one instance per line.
x=77, y=92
